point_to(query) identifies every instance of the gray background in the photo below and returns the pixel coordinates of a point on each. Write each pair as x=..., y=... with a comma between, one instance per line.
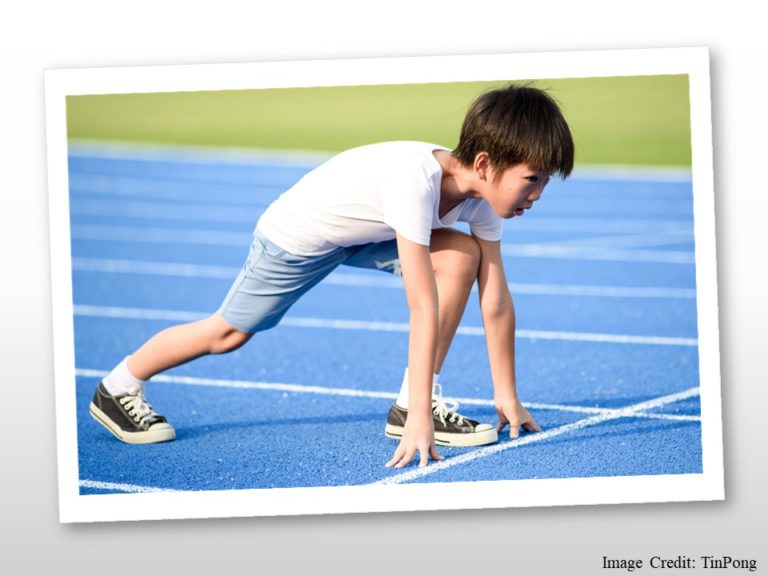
x=38, y=35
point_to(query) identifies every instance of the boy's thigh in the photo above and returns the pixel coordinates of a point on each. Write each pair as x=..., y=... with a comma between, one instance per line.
x=270, y=282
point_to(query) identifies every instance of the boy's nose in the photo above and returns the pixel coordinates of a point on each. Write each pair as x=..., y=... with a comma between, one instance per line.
x=536, y=194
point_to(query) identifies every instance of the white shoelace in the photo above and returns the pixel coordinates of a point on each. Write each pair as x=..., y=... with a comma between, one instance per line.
x=138, y=408
x=445, y=407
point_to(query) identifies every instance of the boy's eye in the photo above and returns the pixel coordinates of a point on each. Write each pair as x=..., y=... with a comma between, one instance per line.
x=532, y=178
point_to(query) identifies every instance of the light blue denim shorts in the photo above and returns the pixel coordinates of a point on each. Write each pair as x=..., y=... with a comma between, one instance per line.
x=272, y=279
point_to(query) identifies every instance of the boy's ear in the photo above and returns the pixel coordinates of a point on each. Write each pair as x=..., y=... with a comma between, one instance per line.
x=482, y=164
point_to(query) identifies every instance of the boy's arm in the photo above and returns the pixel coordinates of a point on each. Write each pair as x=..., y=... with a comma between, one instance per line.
x=498, y=313
x=421, y=293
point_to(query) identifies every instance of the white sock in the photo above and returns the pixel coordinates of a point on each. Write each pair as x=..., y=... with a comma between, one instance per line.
x=120, y=381
x=402, y=397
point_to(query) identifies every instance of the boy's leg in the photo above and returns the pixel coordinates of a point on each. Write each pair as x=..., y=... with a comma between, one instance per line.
x=118, y=403
x=269, y=283
x=180, y=344
x=456, y=261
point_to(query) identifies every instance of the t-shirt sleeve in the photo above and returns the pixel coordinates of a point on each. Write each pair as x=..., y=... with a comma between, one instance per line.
x=408, y=200
x=484, y=222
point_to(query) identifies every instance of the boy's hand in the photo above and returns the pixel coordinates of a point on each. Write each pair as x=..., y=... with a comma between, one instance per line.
x=418, y=436
x=514, y=414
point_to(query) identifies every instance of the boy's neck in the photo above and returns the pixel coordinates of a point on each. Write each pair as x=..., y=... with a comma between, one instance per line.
x=458, y=182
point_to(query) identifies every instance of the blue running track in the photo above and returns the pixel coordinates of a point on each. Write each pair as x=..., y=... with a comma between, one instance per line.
x=603, y=277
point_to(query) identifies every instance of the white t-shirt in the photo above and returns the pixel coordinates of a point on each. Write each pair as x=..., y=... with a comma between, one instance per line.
x=368, y=194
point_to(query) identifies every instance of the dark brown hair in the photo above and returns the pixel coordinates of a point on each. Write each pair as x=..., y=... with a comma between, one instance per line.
x=514, y=125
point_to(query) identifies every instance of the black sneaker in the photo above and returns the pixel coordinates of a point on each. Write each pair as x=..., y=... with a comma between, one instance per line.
x=451, y=429
x=130, y=417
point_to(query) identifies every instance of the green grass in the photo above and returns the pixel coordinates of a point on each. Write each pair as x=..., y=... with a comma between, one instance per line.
x=626, y=120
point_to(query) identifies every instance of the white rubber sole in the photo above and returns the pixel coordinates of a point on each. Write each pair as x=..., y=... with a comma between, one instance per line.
x=479, y=438
x=162, y=432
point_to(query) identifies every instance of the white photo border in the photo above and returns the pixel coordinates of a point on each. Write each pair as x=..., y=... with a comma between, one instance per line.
x=693, y=62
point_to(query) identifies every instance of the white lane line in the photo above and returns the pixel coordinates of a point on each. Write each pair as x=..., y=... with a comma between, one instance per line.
x=566, y=252
x=674, y=417
x=258, y=192
x=596, y=225
x=166, y=211
x=479, y=331
x=180, y=270
x=304, y=389
x=137, y=313
x=627, y=240
x=602, y=291
x=175, y=269
x=250, y=385
x=243, y=240
x=100, y=233
x=246, y=214
x=139, y=233
x=389, y=281
x=351, y=392
x=629, y=411
x=596, y=337
x=336, y=324
x=131, y=488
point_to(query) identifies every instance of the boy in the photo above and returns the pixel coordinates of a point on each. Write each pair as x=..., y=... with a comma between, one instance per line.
x=388, y=206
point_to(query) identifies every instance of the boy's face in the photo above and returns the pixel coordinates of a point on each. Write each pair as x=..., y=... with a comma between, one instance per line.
x=515, y=190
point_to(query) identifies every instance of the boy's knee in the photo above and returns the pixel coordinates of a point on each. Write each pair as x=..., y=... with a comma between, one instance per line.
x=229, y=342
x=469, y=258
x=224, y=337
x=456, y=253
x=474, y=254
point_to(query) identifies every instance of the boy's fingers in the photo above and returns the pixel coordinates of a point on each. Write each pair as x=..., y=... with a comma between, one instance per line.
x=425, y=455
x=396, y=457
x=531, y=426
x=406, y=459
x=402, y=458
x=528, y=424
